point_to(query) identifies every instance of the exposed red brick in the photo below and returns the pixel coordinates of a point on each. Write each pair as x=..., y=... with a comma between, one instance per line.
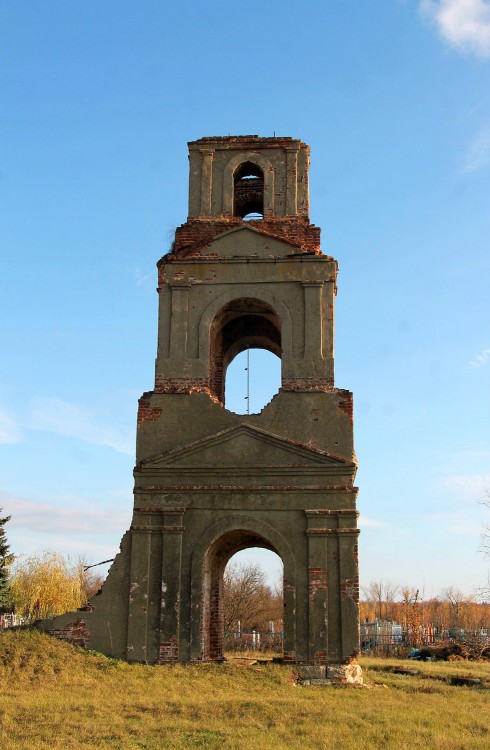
x=184, y=385
x=325, y=385
x=75, y=633
x=332, y=512
x=346, y=403
x=349, y=589
x=197, y=234
x=321, y=657
x=318, y=579
x=321, y=531
x=241, y=488
x=146, y=413
x=241, y=142
x=169, y=651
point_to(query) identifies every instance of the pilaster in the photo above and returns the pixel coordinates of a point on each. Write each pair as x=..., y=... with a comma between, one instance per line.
x=292, y=181
x=206, y=180
x=313, y=322
x=179, y=322
x=349, y=590
x=138, y=595
x=172, y=532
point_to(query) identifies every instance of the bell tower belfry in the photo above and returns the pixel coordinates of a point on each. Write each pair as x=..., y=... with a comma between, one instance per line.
x=244, y=271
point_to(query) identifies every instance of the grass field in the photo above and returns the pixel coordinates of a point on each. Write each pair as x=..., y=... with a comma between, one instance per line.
x=56, y=696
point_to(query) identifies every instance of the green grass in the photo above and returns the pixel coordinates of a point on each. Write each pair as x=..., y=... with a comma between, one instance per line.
x=56, y=696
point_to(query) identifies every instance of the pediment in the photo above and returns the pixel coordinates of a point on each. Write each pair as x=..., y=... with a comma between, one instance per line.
x=248, y=242
x=244, y=446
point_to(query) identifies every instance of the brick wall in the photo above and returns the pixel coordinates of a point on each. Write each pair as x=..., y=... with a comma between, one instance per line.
x=346, y=403
x=184, y=385
x=307, y=384
x=318, y=580
x=75, y=633
x=349, y=588
x=146, y=413
x=197, y=234
x=169, y=651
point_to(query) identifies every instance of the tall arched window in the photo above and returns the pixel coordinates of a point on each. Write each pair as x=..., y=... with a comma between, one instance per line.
x=252, y=379
x=245, y=323
x=248, y=192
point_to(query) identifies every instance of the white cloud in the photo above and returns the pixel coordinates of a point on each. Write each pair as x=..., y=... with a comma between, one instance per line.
x=465, y=456
x=459, y=522
x=62, y=418
x=371, y=523
x=467, y=486
x=92, y=552
x=478, y=155
x=481, y=358
x=463, y=24
x=464, y=529
x=9, y=431
x=146, y=280
x=54, y=519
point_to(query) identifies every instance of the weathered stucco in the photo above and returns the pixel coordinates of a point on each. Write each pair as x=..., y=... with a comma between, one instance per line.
x=209, y=482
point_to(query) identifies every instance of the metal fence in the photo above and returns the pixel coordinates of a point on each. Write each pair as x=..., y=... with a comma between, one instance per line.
x=387, y=637
x=253, y=640
x=9, y=620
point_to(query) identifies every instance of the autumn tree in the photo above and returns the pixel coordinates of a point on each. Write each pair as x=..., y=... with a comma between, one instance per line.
x=46, y=585
x=6, y=560
x=411, y=615
x=381, y=595
x=248, y=600
x=457, y=603
x=451, y=609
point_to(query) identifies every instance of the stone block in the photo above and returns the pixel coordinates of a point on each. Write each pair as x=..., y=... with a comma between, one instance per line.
x=345, y=674
x=314, y=671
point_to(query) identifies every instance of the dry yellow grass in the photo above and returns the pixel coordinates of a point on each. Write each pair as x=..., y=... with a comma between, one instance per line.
x=55, y=696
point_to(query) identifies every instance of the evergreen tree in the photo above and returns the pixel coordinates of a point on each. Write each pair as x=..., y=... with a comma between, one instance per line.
x=5, y=560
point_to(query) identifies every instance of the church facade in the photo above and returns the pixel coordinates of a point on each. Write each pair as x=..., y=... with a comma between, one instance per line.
x=245, y=271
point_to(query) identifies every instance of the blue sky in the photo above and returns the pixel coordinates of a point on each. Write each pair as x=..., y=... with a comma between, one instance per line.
x=98, y=102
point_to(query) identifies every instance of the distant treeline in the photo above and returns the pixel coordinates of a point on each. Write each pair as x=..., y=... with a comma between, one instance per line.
x=451, y=609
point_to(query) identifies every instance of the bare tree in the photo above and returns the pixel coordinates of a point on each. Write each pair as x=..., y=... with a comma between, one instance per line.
x=375, y=594
x=248, y=599
x=484, y=591
x=382, y=594
x=458, y=604
x=90, y=580
x=391, y=592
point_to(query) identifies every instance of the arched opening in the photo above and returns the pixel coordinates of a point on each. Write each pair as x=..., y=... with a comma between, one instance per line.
x=248, y=192
x=252, y=379
x=264, y=613
x=253, y=605
x=242, y=324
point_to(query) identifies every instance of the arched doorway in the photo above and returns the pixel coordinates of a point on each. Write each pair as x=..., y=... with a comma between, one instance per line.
x=210, y=560
x=253, y=606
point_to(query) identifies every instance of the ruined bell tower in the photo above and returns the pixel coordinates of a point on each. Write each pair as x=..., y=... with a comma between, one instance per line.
x=244, y=271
